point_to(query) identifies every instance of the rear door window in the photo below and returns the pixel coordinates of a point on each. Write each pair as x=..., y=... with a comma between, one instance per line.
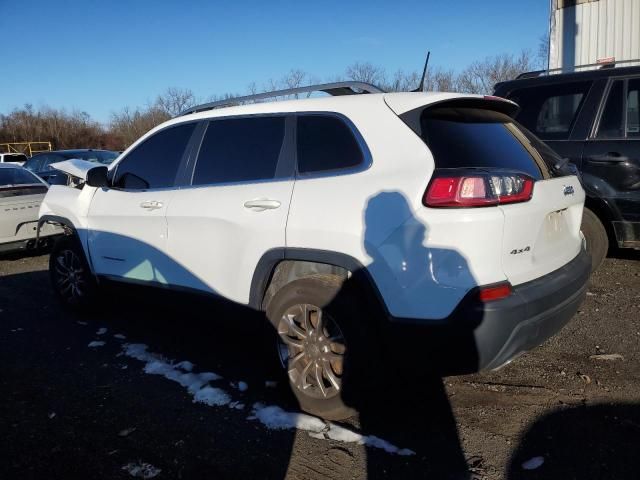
x=326, y=143
x=240, y=150
x=478, y=138
x=155, y=162
x=550, y=111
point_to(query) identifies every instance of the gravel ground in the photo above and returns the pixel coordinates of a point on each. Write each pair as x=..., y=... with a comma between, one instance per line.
x=67, y=410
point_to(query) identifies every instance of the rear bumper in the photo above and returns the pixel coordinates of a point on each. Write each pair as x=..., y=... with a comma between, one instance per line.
x=479, y=336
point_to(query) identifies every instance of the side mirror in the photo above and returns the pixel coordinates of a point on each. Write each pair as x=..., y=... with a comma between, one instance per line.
x=97, y=177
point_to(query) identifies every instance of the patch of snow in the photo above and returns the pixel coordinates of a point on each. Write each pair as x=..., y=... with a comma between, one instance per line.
x=197, y=384
x=119, y=336
x=278, y=419
x=52, y=415
x=101, y=331
x=126, y=432
x=141, y=470
x=82, y=323
x=191, y=381
x=185, y=365
x=533, y=463
x=96, y=343
x=272, y=416
x=211, y=396
x=271, y=384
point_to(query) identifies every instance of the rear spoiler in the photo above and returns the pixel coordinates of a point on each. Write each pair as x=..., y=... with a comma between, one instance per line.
x=487, y=102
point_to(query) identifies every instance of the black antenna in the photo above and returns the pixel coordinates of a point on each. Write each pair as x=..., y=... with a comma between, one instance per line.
x=424, y=74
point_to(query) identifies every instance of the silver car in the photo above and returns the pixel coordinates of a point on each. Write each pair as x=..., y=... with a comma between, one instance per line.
x=21, y=193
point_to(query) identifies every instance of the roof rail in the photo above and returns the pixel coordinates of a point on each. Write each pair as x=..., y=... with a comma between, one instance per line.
x=335, y=89
x=594, y=66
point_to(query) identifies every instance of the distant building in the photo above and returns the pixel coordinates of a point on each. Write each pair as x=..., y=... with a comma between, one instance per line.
x=588, y=31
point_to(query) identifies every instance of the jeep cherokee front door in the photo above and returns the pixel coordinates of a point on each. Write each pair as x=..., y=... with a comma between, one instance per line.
x=127, y=226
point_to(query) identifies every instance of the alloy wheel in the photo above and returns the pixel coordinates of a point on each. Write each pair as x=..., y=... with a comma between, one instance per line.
x=69, y=275
x=312, y=348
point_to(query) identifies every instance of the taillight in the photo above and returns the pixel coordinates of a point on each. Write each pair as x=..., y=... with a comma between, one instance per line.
x=481, y=189
x=494, y=292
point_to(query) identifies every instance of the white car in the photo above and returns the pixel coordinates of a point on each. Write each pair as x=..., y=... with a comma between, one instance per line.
x=369, y=227
x=21, y=193
x=16, y=158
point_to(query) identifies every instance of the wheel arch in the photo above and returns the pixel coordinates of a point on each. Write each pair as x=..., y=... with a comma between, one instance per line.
x=279, y=267
x=70, y=229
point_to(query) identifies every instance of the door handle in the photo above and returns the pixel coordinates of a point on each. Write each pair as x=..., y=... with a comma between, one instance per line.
x=261, y=204
x=151, y=205
x=609, y=157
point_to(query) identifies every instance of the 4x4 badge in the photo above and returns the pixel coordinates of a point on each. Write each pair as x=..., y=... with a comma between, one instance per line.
x=520, y=250
x=568, y=190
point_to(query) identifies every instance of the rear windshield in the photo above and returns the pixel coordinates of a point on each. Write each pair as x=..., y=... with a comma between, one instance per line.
x=17, y=181
x=461, y=137
x=15, y=158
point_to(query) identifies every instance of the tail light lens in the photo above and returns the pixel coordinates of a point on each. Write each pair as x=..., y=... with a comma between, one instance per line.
x=475, y=189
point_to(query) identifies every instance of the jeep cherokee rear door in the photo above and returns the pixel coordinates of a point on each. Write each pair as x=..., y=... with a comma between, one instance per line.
x=235, y=207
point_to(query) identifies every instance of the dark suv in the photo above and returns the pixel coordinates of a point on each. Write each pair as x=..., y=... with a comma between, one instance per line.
x=592, y=119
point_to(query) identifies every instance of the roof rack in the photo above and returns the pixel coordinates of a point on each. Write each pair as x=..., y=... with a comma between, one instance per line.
x=594, y=66
x=334, y=89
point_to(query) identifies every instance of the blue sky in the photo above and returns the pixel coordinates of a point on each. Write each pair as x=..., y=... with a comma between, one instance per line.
x=99, y=56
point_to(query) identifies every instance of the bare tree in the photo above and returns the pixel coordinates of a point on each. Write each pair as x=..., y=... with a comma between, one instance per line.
x=480, y=77
x=175, y=100
x=366, y=72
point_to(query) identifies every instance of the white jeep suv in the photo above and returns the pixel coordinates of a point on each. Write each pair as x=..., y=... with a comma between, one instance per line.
x=368, y=227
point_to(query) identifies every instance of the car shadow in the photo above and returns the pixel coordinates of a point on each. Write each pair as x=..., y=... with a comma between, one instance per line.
x=594, y=441
x=407, y=403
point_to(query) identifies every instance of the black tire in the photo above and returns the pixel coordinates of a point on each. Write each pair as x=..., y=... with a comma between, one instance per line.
x=346, y=331
x=596, y=236
x=71, y=278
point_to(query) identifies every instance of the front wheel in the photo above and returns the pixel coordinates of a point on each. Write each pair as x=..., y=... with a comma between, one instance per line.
x=71, y=278
x=323, y=343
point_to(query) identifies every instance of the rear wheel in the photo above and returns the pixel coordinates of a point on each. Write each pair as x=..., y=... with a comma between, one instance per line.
x=596, y=237
x=71, y=278
x=322, y=344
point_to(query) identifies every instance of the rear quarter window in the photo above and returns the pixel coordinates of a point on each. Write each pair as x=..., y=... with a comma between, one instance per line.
x=326, y=143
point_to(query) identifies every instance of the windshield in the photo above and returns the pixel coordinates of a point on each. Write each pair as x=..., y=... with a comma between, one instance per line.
x=10, y=177
x=104, y=158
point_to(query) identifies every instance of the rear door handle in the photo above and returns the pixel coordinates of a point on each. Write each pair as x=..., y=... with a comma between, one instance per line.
x=262, y=204
x=609, y=157
x=151, y=205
